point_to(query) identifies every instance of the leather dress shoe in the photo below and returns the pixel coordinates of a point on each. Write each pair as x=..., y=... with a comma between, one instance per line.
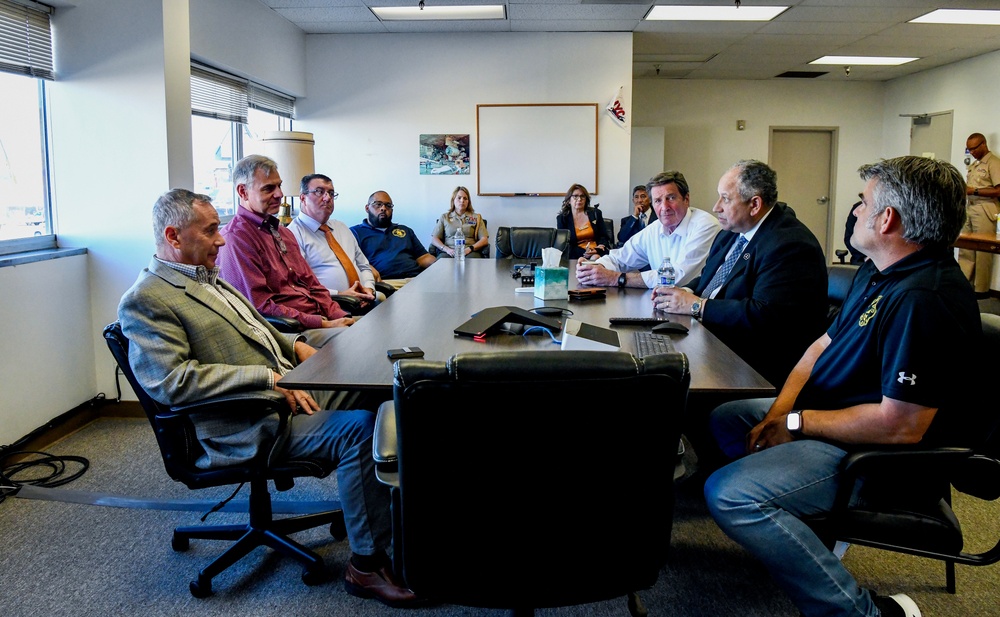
x=381, y=585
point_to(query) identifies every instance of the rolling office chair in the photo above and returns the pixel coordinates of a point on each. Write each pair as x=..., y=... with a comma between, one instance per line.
x=528, y=242
x=919, y=521
x=556, y=501
x=179, y=447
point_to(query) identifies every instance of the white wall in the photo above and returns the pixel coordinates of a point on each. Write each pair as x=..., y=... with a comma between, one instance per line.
x=372, y=96
x=246, y=38
x=118, y=142
x=702, y=141
x=47, y=366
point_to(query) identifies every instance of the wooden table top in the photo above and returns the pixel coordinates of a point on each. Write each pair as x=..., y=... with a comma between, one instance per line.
x=425, y=312
x=988, y=242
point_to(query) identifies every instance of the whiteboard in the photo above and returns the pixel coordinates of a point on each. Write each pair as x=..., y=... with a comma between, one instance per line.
x=536, y=149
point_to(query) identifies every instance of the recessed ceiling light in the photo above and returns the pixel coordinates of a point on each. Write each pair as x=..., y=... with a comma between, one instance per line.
x=863, y=60
x=714, y=13
x=967, y=17
x=413, y=13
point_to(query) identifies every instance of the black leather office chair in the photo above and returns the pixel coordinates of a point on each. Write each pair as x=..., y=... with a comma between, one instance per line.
x=179, y=448
x=919, y=520
x=528, y=242
x=839, y=279
x=522, y=480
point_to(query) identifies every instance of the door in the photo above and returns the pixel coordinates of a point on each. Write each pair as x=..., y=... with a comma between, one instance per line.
x=802, y=158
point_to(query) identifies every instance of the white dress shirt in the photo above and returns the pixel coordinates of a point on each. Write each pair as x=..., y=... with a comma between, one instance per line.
x=687, y=247
x=321, y=258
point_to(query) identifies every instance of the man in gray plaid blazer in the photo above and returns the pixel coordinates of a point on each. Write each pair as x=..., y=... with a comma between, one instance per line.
x=193, y=336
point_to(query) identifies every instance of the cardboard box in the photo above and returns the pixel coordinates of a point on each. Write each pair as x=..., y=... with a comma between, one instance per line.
x=552, y=283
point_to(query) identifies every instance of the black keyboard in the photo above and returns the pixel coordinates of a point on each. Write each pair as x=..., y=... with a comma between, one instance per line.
x=649, y=344
x=637, y=321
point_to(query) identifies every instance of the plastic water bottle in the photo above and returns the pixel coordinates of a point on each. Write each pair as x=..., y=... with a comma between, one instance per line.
x=460, y=245
x=666, y=275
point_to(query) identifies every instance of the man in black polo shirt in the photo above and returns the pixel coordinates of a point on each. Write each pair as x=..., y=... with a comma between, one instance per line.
x=885, y=372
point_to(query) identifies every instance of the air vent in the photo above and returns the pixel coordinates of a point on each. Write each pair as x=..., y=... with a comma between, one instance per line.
x=802, y=74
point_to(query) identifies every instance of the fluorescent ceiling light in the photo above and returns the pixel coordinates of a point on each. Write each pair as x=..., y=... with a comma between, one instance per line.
x=715, y=13
x=413, y=13
x=863, y=60
x=968, y=17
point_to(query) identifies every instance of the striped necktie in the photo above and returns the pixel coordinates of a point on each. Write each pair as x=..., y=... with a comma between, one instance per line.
x=726, y=267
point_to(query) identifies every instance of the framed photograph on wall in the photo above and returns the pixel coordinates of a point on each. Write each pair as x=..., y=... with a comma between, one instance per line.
x=444, y=155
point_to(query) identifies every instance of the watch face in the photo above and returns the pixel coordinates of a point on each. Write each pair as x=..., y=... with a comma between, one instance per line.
x=793, y=421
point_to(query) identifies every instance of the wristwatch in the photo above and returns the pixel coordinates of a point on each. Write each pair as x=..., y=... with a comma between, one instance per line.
x=622, y=279
x=793, y=422
x=975, y=191
x=696, y=309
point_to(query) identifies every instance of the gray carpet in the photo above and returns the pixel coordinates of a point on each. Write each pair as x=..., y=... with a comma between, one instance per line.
x=62, y=559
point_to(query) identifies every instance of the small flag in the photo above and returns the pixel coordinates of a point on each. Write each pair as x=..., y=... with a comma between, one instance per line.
x=617, y=110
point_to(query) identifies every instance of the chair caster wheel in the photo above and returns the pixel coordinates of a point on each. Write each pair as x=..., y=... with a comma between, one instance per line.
x=201, y=589
x=314, y=576
x=180, y=543
x=338, y=529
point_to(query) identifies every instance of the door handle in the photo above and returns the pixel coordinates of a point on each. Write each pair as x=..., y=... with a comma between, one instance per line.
x=822, y=200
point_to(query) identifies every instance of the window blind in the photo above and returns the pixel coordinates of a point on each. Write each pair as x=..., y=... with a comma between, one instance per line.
x=26, y=39
x=270, y=101
x=215, y=94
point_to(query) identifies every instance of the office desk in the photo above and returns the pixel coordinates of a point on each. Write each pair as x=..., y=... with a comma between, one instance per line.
x=987, y=242
x=426, y=310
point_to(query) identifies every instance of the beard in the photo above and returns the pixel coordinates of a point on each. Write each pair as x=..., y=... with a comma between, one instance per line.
x=380, y=220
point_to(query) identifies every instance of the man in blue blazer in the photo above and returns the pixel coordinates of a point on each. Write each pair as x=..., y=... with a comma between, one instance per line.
x=193, y=336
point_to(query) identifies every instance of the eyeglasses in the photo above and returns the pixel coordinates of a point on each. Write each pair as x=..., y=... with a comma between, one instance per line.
x=971, y=148
x=378, y=205
x=320, y=192
x=575, y=196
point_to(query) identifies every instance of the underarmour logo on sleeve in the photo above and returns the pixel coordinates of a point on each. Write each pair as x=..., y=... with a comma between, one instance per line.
x=904, y=378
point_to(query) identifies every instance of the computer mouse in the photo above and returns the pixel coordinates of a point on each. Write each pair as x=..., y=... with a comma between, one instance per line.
x=670, y=327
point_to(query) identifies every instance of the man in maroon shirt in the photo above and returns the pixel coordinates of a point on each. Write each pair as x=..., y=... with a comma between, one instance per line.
x=262, y=260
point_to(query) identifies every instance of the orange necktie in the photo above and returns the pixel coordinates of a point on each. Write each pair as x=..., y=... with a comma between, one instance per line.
x=349, y=269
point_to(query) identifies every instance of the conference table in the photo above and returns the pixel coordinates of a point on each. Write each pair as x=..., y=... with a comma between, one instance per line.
x=425, y=312
x=988, y=242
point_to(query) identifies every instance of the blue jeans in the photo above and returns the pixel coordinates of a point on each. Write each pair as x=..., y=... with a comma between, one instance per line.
x=758, y=500
x=344, y=437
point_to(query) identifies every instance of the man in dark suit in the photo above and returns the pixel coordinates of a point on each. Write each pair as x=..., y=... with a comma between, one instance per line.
x=640, y=217
x=194, y=336
x=763, y=290
x=772, y=304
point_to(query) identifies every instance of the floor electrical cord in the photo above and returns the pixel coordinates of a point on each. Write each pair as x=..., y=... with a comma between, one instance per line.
x=42, y=469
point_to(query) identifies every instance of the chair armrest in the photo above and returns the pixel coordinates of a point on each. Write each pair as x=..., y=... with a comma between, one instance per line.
x=285, y=324
x=929, y=464
x=239, y=403
x=384, y=445
x=385, y=288
x=349, y=303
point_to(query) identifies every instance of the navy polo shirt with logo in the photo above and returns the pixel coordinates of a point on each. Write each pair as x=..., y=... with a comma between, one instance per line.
x=908, y=333
x=392, y=251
